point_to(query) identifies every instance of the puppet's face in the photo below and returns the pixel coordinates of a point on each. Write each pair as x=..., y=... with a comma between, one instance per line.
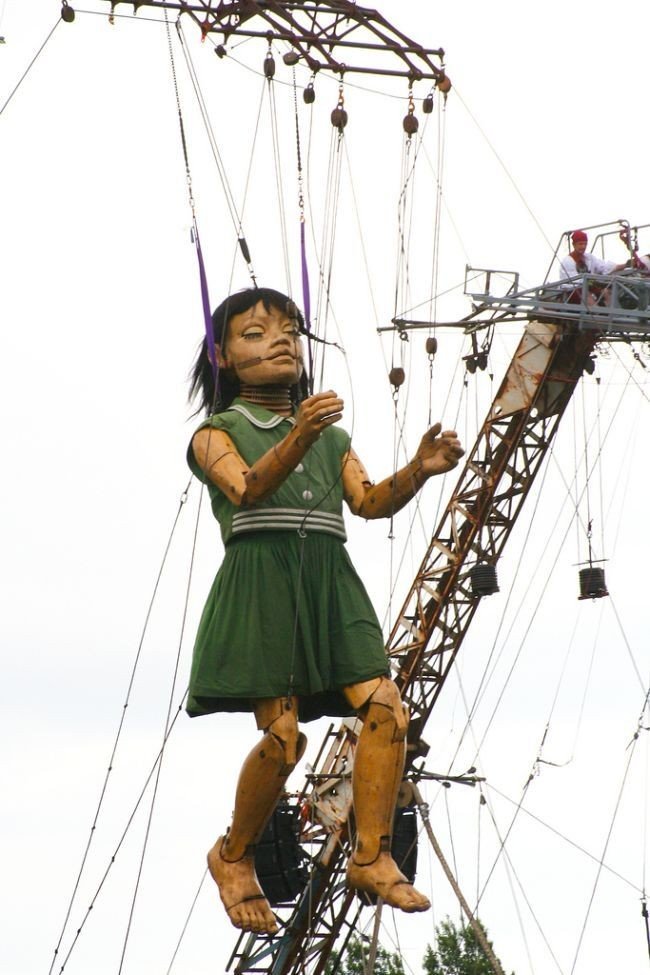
x=263, y=348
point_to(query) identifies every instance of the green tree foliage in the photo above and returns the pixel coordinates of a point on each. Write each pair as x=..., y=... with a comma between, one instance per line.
x=457, y=952
x=355, y=960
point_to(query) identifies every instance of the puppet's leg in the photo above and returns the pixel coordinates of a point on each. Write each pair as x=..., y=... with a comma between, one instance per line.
x=376, y=778
x=261, y=782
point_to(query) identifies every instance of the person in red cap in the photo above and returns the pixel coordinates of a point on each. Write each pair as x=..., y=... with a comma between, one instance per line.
x=580, y=261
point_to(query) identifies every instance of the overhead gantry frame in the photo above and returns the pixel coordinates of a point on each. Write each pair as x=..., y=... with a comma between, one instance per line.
x=324, y=35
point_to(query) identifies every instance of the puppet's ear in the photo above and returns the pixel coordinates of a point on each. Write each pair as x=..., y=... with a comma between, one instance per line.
x=222, y=361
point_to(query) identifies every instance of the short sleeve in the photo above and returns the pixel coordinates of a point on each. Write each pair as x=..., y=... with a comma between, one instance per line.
x=216, y=421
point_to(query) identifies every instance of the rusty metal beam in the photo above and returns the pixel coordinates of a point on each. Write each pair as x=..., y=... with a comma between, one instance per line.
x=325, y=35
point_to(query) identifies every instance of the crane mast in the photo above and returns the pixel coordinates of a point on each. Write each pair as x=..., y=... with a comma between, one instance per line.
x=480, y=515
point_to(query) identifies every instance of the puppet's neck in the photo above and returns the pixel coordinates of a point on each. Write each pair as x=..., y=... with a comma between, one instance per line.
x=277, y=399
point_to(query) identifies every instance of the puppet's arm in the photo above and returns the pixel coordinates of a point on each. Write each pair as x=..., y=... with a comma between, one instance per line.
x=437, y=453
x=217, y=455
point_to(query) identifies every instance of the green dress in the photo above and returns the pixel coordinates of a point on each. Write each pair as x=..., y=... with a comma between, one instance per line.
x=287, y=613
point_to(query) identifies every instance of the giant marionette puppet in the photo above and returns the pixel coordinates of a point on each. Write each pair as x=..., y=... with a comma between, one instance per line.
x=288, y=631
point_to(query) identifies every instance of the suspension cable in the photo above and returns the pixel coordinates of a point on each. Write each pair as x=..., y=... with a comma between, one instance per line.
x=113, y=755
x=277, y=160
x=29, y=67
x=221, y=170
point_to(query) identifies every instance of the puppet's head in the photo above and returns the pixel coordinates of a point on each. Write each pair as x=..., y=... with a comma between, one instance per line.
x=217, y=394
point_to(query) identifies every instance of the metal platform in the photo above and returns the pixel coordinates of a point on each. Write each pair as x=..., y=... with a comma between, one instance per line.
x=616, y=306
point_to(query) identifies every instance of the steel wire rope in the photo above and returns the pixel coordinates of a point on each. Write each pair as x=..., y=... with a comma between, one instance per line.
x=167, y=725
x=168, y=722
x=524, y=638
x=406, y=179
x=329, y=250
x=568, y=489
x=405, y=234
x=435, y=257
x=388, y=609
x=508, y=868
x=418, y=504
x=510, y=872
x=386, y=365
x=503, y=849
x=486, y=675
x=564, y=837
x=445, y=793
x=631, y=375
x=354, y=198
x=417, y=512
x=401, y=222
x=479, y=824
x=278, y=181
x=465, y=387
x=116, y=741
x=441, y=294
x=585, y=456
x=406, y=204
x=583, y=701
x=505, y=170
x=600, y=469
x=626, y=642
x=395, y=943
x=437, y=176
x=322, y=256
x=167, y=729
x=120, y=842
x=326, y=257
x=364, y=253
x=221, y=169
x=574, y=483
x=186, y=922
x=29, y=67
x=251, y=157
x=605, y=848
x=628, y=457
x=418, y=501
x=644, y=908
x=589, y=469
x=536, y=763
x=525, y=787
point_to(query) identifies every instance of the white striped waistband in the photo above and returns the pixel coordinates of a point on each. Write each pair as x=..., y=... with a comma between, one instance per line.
x=288, y=519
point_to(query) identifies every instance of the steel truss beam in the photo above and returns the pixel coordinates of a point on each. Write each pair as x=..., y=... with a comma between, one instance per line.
x=326, y=36
x=496, y=479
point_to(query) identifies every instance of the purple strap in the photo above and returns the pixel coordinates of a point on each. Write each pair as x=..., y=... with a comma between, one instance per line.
x=306, y=302
x=205, y=299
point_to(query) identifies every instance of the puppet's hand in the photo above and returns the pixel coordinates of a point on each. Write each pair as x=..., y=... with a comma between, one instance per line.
x=317, y=412
x=439, y=452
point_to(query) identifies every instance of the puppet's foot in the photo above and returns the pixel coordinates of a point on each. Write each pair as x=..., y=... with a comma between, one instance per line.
x=385, y=880
x=240, y=892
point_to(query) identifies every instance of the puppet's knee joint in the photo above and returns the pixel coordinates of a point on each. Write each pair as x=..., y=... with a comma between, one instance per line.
x=384, y=704
x=286, y=735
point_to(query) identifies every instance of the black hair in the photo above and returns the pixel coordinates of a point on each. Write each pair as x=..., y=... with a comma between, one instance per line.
x=215, y=398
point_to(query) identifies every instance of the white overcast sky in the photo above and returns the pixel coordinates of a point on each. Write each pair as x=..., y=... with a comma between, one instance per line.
x=546, y=130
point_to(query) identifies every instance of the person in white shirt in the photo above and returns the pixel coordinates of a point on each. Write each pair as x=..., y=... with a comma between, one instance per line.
x=580, y=261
